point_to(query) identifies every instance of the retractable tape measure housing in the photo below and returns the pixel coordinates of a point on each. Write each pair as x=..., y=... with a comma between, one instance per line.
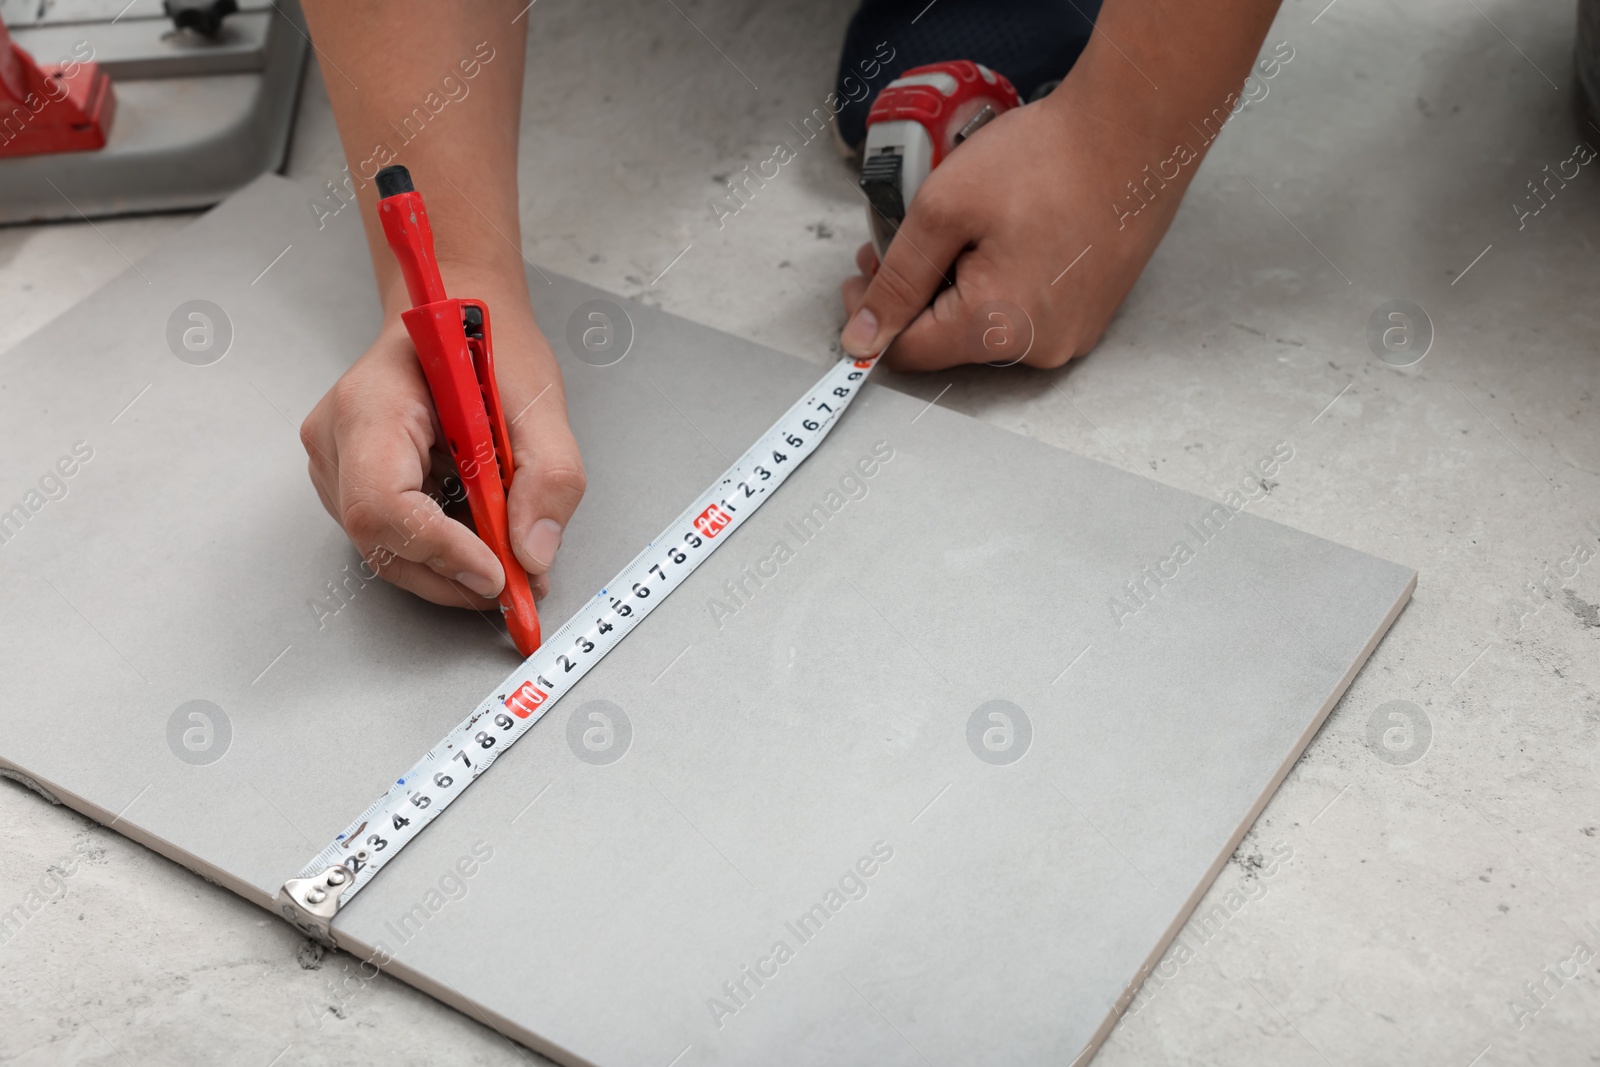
x=917, y=120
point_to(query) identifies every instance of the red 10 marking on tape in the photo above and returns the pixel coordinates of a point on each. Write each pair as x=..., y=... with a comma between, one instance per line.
x=526, y=700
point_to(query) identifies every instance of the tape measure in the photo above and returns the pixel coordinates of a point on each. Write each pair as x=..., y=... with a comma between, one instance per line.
x=351, y=860
x=919, y=119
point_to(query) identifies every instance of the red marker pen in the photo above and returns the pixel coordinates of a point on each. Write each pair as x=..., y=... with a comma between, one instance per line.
x=453, y=345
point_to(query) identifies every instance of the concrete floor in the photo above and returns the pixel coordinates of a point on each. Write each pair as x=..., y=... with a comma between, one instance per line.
x=1432, y=881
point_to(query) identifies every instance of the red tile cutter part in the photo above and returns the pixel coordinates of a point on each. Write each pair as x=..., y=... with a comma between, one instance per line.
x=452, y=342
x=51, y=107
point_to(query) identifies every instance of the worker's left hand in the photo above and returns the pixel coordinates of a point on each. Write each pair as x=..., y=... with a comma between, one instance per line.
x=1001, y=217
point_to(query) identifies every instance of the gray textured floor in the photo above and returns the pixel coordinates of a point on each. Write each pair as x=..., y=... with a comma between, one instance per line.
x=1416, y=901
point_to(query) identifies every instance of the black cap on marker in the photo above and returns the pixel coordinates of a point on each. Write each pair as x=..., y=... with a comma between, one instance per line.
x=393, y=181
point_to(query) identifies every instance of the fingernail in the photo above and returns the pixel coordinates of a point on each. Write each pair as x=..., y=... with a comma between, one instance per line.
x=860, y=332
x=542, y=542
x=481, y=584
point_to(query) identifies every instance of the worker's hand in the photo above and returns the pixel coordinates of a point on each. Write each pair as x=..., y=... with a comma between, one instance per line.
x=374, y=439
x=1001, y=217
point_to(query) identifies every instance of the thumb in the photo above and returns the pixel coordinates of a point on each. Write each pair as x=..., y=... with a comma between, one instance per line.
x=913, y=271
x=548, y=479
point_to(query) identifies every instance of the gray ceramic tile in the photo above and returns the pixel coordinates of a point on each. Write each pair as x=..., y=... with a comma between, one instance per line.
x=818, y=722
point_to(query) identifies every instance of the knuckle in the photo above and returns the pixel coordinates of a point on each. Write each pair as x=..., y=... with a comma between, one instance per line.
x=385, y=565
x=894, y=287
x=343, y=400
x=363, y=520
x=308, y=436
x=979, y=279
x=903, y=355
x=1050, y=357
x=896, y=360
x=564, y=480
x=934, y=209
x=317, y=440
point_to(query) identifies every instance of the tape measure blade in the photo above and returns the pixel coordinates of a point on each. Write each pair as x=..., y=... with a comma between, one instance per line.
x=432, y=784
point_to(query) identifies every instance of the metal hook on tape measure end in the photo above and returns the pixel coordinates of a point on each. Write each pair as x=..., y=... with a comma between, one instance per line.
x=311, y=903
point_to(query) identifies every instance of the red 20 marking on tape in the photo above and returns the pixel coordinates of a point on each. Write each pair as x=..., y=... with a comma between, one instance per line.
x=712, y=520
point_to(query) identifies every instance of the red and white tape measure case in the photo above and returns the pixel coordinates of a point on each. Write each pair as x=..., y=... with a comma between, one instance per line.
x=916, y=122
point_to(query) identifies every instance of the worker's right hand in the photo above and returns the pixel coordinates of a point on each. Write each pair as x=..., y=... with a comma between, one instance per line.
x=374, y=439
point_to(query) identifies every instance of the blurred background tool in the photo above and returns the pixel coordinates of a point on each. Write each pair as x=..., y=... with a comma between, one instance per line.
x=112, y=107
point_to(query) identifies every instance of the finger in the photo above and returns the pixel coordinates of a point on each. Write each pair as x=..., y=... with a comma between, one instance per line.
x=324, y=492
x=317, y=439
x=912, y=271
x=411, y=528
x=380, y=507
x=426, y=583
x=866, y=260
x=852, y=290
x=938, y=338
x=548, y=481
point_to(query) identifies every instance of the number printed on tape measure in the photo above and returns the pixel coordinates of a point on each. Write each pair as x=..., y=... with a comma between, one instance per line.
x=526, y=700
x=712, y=520
x=471, y=748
